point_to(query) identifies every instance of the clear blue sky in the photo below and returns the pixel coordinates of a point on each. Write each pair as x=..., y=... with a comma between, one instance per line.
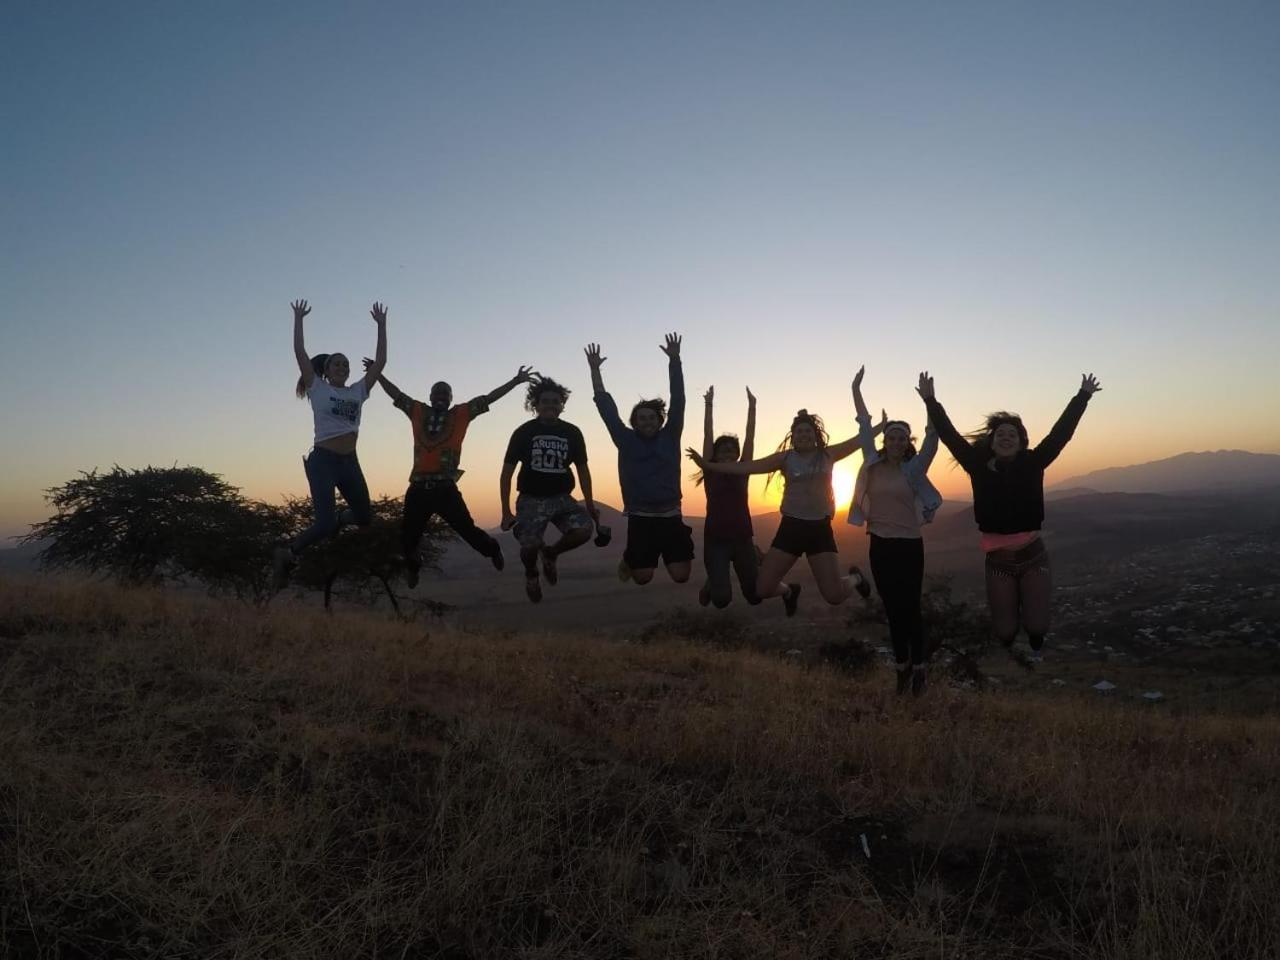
x=1008, y=194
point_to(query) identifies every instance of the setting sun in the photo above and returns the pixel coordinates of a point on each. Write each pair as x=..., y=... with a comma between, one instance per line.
x=842, y=481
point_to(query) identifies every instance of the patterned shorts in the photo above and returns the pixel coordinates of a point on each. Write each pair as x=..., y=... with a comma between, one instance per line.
x=1016, y=564
x=534, y=513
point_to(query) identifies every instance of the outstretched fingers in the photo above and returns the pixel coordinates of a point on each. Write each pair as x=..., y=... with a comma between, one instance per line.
x=379, y=312
x=593, y=355
x=695, y=456
x=671, y=347
x=300, y=308
x=924, y=386
x=1089, y=384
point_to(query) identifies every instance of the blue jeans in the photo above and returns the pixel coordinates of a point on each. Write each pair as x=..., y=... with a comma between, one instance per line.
x=326, y=471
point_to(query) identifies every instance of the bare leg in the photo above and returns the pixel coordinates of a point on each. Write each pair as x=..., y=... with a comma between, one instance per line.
x=774, y=567
x=1035, y=589
x=835, y=589
x=680, y=570
x=1002, y=600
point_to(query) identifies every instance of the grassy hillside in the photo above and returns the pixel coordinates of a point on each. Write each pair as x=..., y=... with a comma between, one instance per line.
x=188, y=778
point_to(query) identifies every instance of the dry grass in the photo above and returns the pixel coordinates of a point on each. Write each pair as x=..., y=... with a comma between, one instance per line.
x=187, y=778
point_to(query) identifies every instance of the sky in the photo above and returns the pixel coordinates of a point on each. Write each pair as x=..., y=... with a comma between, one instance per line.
x=1005, y=194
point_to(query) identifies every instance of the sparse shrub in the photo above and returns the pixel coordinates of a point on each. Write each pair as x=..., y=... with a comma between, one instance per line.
x=165, y=524
x=698, y=626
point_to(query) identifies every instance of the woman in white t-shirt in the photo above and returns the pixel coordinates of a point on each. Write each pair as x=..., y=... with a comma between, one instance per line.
x=332, y=463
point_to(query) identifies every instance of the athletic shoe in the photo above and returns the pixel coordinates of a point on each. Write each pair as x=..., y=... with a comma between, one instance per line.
x=792, y=599
x=411, y=573
x=282, y=562
x=1034, y=657
x=904, y=679
x=549, y=567
x=860, y=582
x=498, y=560
x=919, y=680
x=624, y=571
x=704, y=595
x=533, y=587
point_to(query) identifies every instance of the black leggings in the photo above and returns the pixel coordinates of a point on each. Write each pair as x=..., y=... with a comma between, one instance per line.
x=421, y=502
x=897, y=566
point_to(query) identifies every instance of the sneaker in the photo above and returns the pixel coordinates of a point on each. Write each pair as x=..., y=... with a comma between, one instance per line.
x=1035, y=657
x=624, y=571
x=282, y=563
x=859, y=582
x=498, y=560
x=533, y=587
x=904, y=679
x=919, y=680
x=549, y=567
x=411, y=569
x=704, y=595
x=792, y=599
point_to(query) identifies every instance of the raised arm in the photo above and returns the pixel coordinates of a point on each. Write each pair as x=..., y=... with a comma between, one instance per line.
x=300, y=310
x=379, y=314
x=749, y=438
x=866, y=433
x=947, y=432
x=844, y=448
x=1065, y=428
x=394, y=392
x=603, y=400
x=739, y=467
x=708, y=430
x=675, y=371
x=523, y=375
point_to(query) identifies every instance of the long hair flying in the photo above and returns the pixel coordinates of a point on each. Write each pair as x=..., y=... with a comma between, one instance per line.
x=819, y=431
x=319, y=363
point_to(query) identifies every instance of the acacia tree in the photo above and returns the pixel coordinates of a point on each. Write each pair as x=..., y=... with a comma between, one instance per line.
x=163, y=524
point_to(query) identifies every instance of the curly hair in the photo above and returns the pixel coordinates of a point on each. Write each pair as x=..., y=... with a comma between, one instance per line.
x=819, y=430
x=658, y=406
x=541, y=385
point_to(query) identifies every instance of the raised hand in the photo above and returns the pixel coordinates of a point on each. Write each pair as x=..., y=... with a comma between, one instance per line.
x=672, y=346
x=696, y=457
x=300, y=309
x=884, y=419
x=710, y=395
x=593, y=356
x=925, y=386
x=367, y=364
x=751, y=398
x=378, y=312
x=857, y=377
x=524, y=375
x=1089, y=384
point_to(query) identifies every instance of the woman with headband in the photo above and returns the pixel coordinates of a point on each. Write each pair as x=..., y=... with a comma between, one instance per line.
x=893, y=498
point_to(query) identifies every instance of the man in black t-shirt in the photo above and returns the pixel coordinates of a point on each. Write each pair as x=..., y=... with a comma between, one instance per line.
x=545, y=448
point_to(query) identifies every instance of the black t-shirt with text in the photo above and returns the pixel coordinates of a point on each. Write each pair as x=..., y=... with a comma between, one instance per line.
x=544, y=452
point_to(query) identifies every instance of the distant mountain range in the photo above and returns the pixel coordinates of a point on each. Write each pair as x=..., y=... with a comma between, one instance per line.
x=1211, y=470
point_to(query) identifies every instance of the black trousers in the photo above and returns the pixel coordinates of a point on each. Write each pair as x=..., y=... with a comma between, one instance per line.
x=421, y=503
x=897, y=566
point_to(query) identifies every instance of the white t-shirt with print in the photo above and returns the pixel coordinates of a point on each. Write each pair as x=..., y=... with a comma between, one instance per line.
x=336, y=409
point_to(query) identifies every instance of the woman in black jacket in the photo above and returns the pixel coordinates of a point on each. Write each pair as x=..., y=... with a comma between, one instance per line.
x=1007, y=476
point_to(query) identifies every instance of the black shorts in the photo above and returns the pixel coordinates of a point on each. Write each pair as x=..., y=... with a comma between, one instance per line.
x=800, y=537
x=651, y=538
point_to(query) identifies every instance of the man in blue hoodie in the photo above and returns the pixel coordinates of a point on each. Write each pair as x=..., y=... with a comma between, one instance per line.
x=649, y=464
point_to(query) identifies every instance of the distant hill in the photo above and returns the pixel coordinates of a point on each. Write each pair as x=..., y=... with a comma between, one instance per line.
x=1211, y=470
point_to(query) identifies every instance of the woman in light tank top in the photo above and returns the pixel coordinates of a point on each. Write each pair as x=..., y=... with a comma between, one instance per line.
x=804, y=459
x=332, y=463
x=894, y=498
